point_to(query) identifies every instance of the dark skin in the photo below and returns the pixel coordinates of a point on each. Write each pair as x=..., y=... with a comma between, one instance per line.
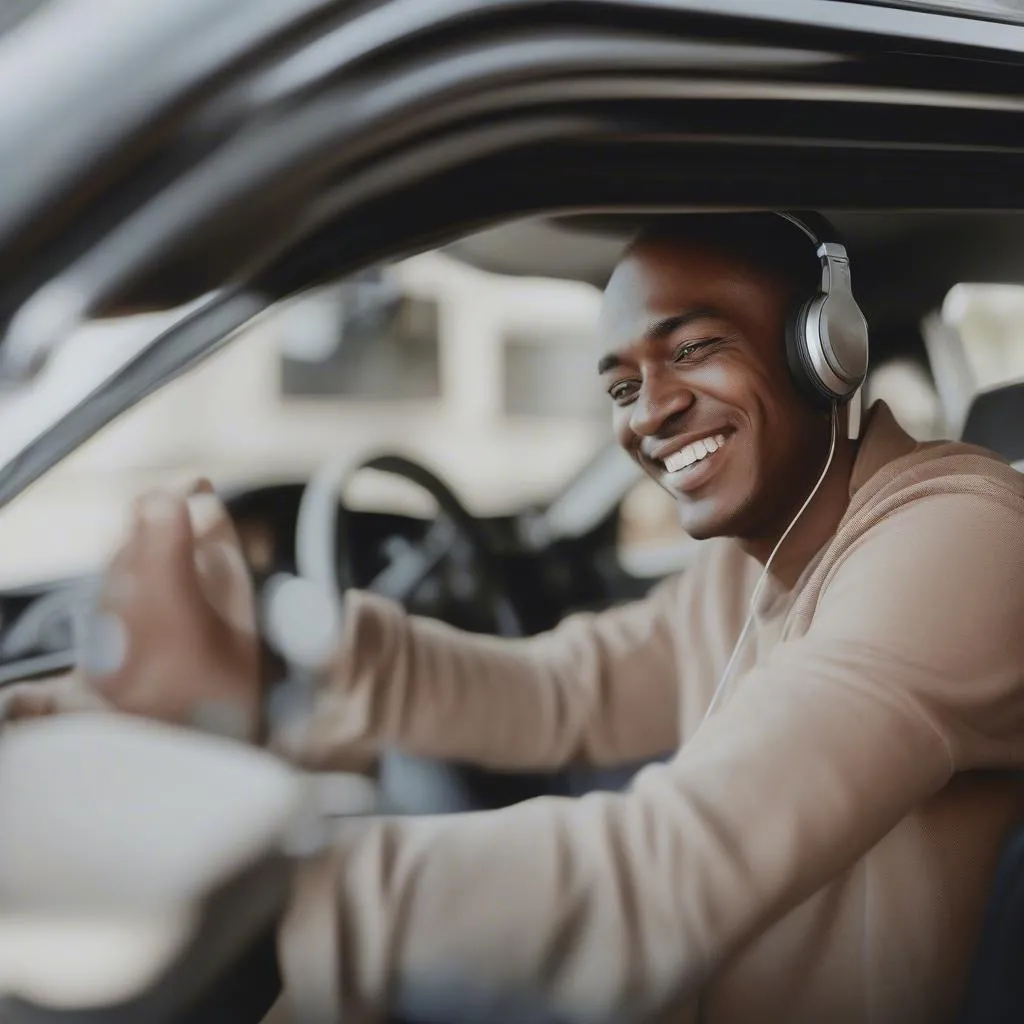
x=694, y=344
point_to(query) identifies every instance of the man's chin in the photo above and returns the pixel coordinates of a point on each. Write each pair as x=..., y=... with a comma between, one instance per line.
x=705, y=523
x=722, y=513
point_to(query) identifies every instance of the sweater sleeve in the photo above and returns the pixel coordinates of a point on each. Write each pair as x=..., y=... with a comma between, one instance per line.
x=600, y=688
x=616, y=905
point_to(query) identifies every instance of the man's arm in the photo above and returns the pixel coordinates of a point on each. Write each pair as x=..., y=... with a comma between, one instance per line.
x=617, y=904
x=599, y=688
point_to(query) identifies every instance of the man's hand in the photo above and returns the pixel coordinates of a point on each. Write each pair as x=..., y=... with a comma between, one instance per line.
x=173, y=636
x=55, y=696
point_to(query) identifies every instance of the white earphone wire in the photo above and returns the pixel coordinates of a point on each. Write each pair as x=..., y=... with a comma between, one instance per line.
x=738, y=646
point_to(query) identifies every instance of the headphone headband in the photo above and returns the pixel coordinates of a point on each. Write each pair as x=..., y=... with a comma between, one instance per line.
x=800, y=225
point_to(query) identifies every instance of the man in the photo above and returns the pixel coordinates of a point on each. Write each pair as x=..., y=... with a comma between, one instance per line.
x=822, y=845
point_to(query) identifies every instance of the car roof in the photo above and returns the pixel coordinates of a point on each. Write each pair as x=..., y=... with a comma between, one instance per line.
x=230, y=155
x=860, y=108
x=996, y=10
x=14, y=12
x=904, y=262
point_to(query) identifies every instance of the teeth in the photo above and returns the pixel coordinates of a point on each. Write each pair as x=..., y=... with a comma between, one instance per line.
x=693, y=453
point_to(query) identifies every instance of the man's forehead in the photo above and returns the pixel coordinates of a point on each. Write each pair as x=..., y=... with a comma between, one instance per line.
x=653, y=282
x=656, y=281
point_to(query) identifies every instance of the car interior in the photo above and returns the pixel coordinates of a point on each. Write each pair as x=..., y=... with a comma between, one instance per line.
x=310, y=141
x=529, y=568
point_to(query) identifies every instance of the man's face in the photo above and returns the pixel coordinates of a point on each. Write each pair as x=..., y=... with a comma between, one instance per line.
x=702, y=396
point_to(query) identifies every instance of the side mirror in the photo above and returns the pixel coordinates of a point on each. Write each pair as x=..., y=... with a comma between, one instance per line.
x=136, y=862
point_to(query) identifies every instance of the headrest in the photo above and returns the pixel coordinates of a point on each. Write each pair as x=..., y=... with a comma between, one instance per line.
x=995, y=421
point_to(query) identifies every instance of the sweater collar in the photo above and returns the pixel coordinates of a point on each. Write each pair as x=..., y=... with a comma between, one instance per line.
x=882, y=441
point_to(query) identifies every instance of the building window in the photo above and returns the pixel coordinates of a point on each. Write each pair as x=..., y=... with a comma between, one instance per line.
x=551, y=376
x=363, y=339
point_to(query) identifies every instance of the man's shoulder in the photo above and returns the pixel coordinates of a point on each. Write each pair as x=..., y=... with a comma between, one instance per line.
x=892, y=467
x=931, y=509
x=974, y=458
x=934, y=469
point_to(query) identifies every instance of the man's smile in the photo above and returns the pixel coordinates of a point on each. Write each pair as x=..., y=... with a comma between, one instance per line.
x=687, y=464
x=695, y=452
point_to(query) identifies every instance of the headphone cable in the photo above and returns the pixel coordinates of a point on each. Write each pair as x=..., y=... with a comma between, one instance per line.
x=737, y=647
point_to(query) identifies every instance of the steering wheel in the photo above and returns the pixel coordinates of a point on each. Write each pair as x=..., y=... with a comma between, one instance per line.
x=408, y=783
x=324, y=551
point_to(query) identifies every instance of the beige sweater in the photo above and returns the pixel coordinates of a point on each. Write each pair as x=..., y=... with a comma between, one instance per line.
x=819, y=850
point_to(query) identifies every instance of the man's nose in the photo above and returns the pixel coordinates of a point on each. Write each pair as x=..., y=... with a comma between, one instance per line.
x=658, y=405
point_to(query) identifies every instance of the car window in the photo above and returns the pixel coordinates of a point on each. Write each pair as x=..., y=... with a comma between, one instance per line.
x=990, y=321
x=413, y=359
x=908, y=389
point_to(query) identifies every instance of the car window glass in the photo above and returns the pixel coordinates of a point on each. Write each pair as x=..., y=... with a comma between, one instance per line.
x=412, y=360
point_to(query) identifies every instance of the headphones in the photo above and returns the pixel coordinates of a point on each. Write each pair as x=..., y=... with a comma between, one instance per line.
x=827, y=336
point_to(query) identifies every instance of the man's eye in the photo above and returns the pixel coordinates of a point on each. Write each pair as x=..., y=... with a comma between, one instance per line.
x=692, y=348
x=622, y=390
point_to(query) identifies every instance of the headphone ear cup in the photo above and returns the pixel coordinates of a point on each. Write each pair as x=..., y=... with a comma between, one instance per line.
x=801, y=368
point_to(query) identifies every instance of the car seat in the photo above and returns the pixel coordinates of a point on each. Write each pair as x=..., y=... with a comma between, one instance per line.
x=996, y=990
x=995, y=421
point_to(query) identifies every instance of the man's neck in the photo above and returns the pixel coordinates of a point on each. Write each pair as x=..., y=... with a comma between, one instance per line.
x=817, y=524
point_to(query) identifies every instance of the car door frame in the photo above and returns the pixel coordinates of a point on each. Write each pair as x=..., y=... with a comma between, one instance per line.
x=326, y=172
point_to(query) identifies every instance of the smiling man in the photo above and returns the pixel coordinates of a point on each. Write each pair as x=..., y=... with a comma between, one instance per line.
x=833, y=674
x=697, y=314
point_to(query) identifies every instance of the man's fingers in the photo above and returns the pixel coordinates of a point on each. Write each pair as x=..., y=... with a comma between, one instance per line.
x=24, y=701
x=51, y=696
x=165, y=515
x=163, y=545
x=156, y=644
x=224, y=578
x=202, y=486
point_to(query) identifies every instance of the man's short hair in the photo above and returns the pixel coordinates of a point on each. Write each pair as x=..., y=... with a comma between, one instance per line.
x=764, y=242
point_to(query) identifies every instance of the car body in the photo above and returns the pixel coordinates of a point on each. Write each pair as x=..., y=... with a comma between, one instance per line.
x=216, y=159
